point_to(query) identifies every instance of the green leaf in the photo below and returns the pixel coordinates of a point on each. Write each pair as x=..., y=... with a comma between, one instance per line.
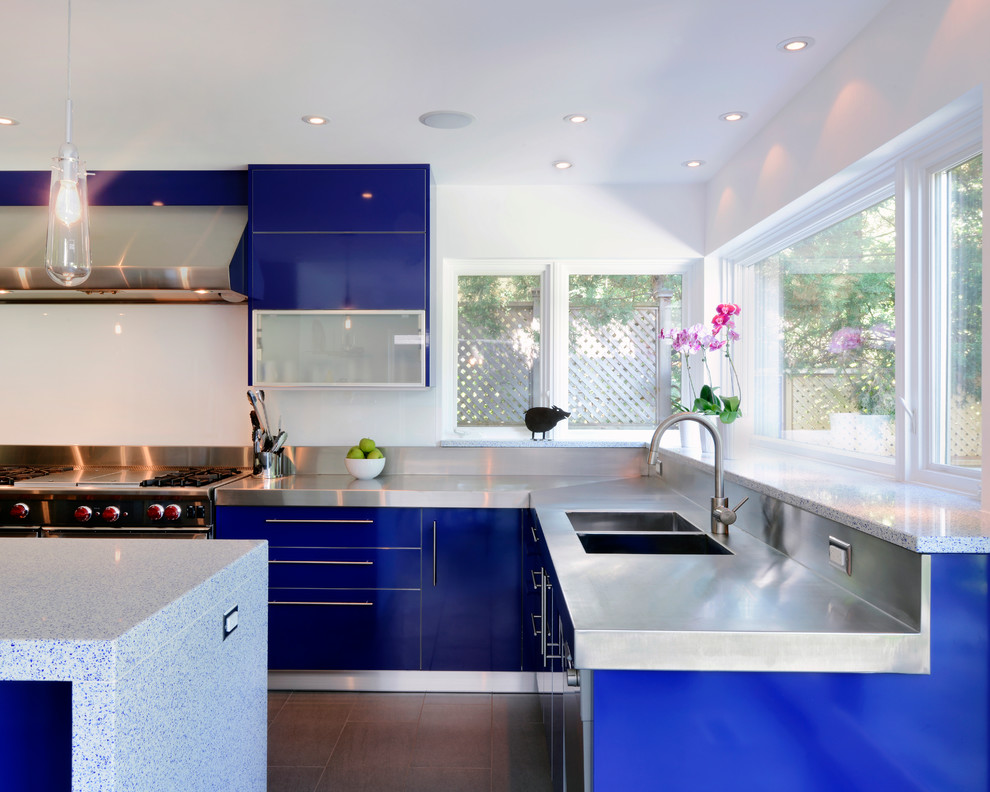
x=731, y=403
x=728, y=416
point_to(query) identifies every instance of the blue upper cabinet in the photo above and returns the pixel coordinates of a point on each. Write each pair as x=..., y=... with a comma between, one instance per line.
x=339, y=199
x=339, y=237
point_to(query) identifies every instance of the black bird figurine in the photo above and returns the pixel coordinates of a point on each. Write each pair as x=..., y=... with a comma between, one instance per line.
x=543, y=419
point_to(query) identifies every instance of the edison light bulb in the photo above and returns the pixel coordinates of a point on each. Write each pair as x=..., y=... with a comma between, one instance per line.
x=68, y=207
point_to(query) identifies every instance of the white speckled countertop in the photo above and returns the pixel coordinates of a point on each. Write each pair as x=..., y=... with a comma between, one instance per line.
x=923, y=519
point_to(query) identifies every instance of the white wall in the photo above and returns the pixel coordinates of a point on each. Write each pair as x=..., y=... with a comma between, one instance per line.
x=913, y=59
x=174, y=375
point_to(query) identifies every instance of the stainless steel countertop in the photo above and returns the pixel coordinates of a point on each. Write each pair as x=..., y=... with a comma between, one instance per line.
x=413, y=491
x=756, y=610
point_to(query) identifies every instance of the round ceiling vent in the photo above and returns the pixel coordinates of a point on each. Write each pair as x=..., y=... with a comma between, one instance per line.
x=446, y=119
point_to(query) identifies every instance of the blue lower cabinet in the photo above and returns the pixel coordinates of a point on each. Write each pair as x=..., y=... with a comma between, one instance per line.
x=472, y=589
x=35, y=736
x=812, y=732
x=340, y=629
x=344, y=584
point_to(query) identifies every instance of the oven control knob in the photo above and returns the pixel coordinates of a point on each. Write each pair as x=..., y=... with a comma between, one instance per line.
x=156, y=511
x=20, y=511
x=83, y=513
x=172, y=512
x=111, y=514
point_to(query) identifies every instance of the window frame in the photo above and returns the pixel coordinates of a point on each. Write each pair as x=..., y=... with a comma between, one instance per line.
x=905, y=170
x=554, y=284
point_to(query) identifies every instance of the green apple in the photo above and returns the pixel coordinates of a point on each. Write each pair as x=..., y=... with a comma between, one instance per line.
x=375, y=453
x=367, y=445
x=355, y=453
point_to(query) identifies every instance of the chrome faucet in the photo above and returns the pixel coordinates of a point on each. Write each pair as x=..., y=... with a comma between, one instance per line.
x=722, y=515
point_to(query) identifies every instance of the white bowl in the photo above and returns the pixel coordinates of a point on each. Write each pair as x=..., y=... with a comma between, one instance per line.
x=364, y=468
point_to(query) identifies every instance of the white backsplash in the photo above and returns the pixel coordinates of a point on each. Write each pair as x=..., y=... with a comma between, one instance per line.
x=119, y=374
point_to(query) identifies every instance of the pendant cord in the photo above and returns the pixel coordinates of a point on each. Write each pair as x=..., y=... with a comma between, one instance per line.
x=68, y=77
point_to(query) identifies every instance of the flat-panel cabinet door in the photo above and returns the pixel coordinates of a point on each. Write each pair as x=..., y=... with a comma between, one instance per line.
x=339, y=271
x=472, y=609
x=330, y=199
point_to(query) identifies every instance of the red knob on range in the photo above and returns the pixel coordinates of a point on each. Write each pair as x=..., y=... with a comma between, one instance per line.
x=156, y=511
x=83, y=513
x=111, y=514
x=172, y=512
x=19, y=510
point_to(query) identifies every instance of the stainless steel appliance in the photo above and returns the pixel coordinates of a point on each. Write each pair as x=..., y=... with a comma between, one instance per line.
x=141, y=496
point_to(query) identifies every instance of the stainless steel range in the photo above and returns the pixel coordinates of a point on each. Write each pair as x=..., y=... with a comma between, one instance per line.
x=148, y=492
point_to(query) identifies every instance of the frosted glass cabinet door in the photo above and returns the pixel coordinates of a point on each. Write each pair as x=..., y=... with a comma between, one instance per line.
x=376, y=349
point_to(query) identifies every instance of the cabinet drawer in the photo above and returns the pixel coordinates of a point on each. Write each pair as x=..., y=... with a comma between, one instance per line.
x=364, y=568
x=310, y=198
x=343, y=630
x=306, y=526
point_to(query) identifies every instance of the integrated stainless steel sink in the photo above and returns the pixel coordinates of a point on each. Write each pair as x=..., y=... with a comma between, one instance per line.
x=652, y=543
x=652, y=522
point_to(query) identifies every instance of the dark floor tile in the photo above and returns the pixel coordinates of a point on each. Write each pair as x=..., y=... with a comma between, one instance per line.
x=452, y=735
x=461, y=699
x=275, y=701
x=520, y=762
x=362, y=778
x=516, y=708
x=448, y=779
x=405, y=707
x=306, y=729
x=293, y=779
x=380, y=743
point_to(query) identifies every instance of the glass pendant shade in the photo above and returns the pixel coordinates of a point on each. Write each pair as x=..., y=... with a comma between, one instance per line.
x=67, y=258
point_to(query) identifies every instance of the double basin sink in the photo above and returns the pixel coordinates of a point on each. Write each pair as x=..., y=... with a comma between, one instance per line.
x=642, y=533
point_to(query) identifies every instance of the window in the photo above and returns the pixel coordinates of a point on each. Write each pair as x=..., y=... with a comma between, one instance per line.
x=826, y=339
x=957, y=266
x=868, y=343
x=580, y=336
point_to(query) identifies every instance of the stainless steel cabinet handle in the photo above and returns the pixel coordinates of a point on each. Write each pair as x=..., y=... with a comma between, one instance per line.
x=327, y=563
x=325, y=522
x=536, y=536
x=536, y=630
x=434, y=552
x=536, y=583
x=347, y=604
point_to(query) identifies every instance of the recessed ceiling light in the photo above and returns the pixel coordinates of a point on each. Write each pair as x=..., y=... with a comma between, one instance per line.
x=693, y=163
x=795, y=44
x=563, y=164
x=315, y=120
x=576, y=118
x=735, y=115
x=8, y=121
x=446, y=119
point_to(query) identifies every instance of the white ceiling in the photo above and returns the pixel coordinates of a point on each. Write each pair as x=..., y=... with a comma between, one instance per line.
x=203, y=84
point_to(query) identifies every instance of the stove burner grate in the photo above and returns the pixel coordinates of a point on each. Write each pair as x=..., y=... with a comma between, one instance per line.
x=11, y=473
x=190, y=477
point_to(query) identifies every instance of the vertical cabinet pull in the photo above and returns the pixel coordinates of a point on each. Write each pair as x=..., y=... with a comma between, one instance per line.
x=434, y=552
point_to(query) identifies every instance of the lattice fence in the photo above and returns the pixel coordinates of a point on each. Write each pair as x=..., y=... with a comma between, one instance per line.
x=612, y=372
x=808, y=403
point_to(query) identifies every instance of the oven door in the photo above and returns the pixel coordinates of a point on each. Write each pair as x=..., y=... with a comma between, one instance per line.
x=90, y=533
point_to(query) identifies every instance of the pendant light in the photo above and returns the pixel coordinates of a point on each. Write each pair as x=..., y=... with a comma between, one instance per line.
x=67, y=260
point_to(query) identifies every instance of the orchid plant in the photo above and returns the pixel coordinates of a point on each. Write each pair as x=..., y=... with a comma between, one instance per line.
x=699, y=338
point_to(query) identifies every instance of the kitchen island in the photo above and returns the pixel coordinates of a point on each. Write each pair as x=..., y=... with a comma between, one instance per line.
x=163, y=643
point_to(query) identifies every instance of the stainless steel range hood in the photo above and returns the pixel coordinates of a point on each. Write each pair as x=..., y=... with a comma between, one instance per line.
x=140, y=254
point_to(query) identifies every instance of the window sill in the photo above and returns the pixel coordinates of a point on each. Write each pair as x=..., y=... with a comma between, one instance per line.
x=919, y=518
x=527, y=443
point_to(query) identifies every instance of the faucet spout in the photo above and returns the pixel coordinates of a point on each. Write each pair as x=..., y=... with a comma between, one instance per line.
x=687, y=416
x=722, y=516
